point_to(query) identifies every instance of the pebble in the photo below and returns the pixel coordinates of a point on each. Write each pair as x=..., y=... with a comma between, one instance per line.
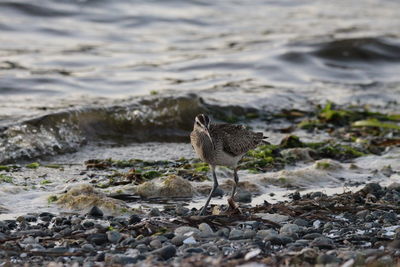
x=186, y=230
x=134, y=219
x=154, y=212
x=114, y=236
x=301, y=222
x=166, y=252
x=312, y=236
x=190, y=240
x=98, y=239
x=327, y=259
x=289, y=229
x=236, y=234
x=261, y=234
x=249, y=234
x=243, y=197
x=95, y=212
x=178, y=240
x=323, y=243
x=88, y=247
x=194, y=250
x=206, y=230
x=181, y=210
x=156, y=243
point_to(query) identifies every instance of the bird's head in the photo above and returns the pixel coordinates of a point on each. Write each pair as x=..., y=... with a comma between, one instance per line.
x=202, y=124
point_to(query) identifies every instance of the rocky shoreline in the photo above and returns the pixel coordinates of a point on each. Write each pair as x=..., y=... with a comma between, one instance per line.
x=349, y=229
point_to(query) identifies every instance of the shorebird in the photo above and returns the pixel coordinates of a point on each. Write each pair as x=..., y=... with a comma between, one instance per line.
x=223, y=145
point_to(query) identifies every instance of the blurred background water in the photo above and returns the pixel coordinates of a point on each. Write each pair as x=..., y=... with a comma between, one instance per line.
x=73, y=72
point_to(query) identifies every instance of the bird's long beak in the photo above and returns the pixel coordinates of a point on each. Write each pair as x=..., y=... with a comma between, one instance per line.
x=209, y=136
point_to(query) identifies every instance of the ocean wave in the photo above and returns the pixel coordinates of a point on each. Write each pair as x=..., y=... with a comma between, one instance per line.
x=148, y=119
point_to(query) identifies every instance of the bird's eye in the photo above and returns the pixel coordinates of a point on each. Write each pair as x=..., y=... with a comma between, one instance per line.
x=198, y=123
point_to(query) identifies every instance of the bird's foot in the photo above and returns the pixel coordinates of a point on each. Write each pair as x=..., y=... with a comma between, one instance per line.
x=202, y=212
x=233, y=206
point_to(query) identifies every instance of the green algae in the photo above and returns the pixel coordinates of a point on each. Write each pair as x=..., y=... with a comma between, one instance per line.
x=33, y=165
x=45, y=182
x=375, y=123
x=52, y=199
x=5, y=178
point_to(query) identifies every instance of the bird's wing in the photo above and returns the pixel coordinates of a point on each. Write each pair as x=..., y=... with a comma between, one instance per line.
x=236, y=139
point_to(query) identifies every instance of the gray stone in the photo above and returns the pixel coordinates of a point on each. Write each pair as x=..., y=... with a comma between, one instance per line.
x=97, y=239
x=156, y=243
x=278, y=218
x=154, y=212
x=206, y=230
x=289, y=229
x=178, y=240
x=261, y=234
x=114, y=236
x=312, y=236
x=243, y=197
x=194, y=250
x=323, y=243
x=301, y=222
x=236, y=234
x=186, y=230
x=166, y=252
x=95, y=212
x=88, y=248
x=327, y=259
x=249, y=234
x=181, y=210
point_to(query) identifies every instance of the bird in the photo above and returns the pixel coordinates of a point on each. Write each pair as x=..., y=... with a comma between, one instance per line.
x=222, y=144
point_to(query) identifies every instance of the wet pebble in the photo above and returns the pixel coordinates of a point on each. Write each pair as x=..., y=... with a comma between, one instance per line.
x=95, y=212
x=186, y=230
x=236, y=234
x=178, y=240
x=289, y=229
x=114, y=236
x=218, y=192
x=206, y=230
x=301, y=222
x=154, y=212
x=327, y=259
x=156, y=244
x=243, y=197
x=98, y=239
x=323, y=243
x=194, y=250
x=249, y=234
x=166, y=252
x=133, y=219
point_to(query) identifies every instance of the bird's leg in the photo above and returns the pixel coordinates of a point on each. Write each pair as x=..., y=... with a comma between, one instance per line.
x=231, y=201
x=215, y=185
x=236, y=180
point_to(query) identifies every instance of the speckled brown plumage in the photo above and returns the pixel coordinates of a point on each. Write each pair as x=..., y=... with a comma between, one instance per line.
x=222, y=144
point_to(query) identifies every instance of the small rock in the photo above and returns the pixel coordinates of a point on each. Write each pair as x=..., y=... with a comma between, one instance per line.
x=194, y=250
x=154, y=212
x=261, y=234
x=249, y=234
x=206, y=230
x=166, y=252
x=98, y=239
x=134, y=219
x=323, y=243
x=251, y=254
x=243, y=197
x=278, y=218
x=301, y=222
x=289, y=229
x=156, y=243
x=100, y=257
x=88, y=248
x=236, y=234
x=181, y=210
x=114, y=236
x=187, y=231
x=312, y=236
x=178, y=240
x=316, y=224
x=190, y=240
x=327, y=259
x=95, y=212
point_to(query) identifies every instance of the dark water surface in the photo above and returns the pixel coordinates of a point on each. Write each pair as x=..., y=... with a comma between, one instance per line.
x=69, y=69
